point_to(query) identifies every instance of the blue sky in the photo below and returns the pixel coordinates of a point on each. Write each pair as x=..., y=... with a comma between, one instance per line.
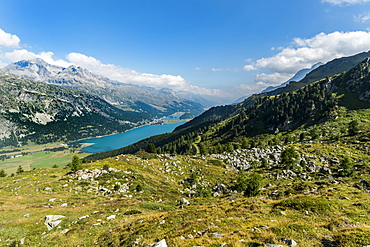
x=227, y=47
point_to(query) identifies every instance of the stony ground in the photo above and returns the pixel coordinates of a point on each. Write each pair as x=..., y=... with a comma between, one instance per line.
x=191, y=201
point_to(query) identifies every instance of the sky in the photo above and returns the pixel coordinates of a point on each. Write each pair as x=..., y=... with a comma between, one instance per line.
x=216, y=47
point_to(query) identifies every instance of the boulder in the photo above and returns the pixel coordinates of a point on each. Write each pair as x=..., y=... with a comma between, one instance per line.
x=52, y=221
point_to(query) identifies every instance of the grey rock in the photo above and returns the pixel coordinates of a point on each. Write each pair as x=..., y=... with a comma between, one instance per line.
x=183, y=201
x=217, y=235
x=161, y=243
x=290, y=242
x=52, y=221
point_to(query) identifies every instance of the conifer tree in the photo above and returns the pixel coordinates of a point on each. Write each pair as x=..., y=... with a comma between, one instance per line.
x=76, y=164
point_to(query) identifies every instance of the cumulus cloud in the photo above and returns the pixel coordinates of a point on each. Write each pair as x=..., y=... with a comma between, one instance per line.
x=225, y=69
x=349, y=2
x=303, y=53
x=321, y=48
x=249, y=67
x=8, y=40
x=23, y=54
x=125, y=75
x=362, y=17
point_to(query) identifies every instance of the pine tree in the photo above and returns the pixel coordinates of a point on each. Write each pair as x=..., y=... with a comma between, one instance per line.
x=288, y=157
x=2, y=173
x=19, y=170
x=76, y=164
x=151, y=148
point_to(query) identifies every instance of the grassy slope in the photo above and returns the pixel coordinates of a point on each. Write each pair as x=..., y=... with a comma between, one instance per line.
x=34, y=156
x=338, y=212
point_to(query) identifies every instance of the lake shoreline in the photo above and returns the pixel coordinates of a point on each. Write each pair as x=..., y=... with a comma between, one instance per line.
x=122, y=139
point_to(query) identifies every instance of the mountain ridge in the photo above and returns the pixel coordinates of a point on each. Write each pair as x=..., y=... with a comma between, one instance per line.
x=125, y=96
x=41, y=113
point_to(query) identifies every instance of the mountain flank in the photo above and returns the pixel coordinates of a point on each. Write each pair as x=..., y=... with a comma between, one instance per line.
x=35, y=112
x=228, y=127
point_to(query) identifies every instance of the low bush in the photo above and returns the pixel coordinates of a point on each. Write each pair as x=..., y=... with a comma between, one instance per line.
x=302, y=203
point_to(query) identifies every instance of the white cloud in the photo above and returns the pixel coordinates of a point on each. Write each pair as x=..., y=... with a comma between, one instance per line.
x=349, y=2
x=272, y=79
x=8, y=40
x=321, y=48
x=249, y=67
x=215, y=70
x=362, y=17
x=125, y=75
x=225, y=69
x=303, y=53
x=23, y=54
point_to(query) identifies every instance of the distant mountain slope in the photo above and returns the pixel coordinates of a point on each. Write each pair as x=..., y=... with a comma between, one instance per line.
x=126, y=96
x=39, y=112
x=313, y=104
x=297, y=77
x=336, y=66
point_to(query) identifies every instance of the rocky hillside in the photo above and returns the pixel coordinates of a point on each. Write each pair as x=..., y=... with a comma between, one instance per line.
x=310, y=194
x=37, y=112
x=126, y=96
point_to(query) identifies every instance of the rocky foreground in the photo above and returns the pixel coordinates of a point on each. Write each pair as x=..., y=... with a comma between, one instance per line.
x=174, y=200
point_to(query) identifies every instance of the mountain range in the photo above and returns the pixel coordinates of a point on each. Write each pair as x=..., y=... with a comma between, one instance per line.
x=128, y=97
x=36, y=112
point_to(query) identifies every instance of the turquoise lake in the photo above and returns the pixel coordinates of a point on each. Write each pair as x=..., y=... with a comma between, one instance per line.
x=111, y=142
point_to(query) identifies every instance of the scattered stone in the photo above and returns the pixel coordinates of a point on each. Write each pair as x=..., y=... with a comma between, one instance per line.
x=64, y=205
x=183, y=201
x=79, y=188
x=22, y=241
x=48, y=189
x=111, y=217
x=52, y=199
x=217, y=235
x=161, y=243
x=290, y=242
x=52, y=221
x=65, y=231
x=83, y=217
x=274, y=245
x=26, y=215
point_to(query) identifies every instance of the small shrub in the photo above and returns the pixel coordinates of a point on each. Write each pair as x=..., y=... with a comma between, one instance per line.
x=302, y=203
x=139, y=188
x=352, y=238
x=157, y=206
x=132, y=212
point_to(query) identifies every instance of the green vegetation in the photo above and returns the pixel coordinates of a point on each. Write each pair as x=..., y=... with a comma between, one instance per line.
x=274, y=167
x=267, y=208
x=76, y=164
